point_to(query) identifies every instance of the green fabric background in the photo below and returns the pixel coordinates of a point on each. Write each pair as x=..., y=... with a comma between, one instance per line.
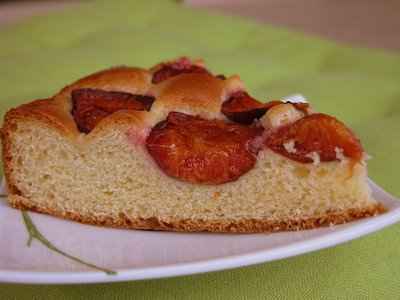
x=360, y=86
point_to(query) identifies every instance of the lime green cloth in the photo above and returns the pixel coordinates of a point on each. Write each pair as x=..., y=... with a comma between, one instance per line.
x=361, y=87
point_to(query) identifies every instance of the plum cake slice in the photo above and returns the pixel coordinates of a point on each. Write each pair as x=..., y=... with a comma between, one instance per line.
x=176, y=147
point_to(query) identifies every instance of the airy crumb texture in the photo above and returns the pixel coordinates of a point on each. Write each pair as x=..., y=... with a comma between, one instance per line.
x=118, y=184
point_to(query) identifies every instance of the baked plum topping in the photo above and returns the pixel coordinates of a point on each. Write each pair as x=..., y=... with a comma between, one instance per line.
x=315, y=134
x=181, y=66
x=197, y=150
x=244, y=109
x=90, y=106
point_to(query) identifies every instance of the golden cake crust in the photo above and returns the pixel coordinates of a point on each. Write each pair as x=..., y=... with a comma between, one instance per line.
x=226, y=226
x=191, y=93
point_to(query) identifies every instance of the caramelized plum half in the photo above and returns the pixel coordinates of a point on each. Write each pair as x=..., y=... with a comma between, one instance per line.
x=181, y=66
x=318, y=133
x=196, y=150
x=90, y=106
x=244, y=109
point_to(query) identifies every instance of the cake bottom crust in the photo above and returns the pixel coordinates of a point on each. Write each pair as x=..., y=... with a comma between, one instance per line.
x=199, y=225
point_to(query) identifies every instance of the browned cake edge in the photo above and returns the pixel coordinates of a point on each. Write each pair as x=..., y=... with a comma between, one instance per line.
x=187, y=225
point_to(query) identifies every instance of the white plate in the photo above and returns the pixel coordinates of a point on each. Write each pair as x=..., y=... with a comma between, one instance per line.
x=138, y=255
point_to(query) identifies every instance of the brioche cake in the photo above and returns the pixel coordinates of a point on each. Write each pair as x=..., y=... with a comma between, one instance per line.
x=178, y=148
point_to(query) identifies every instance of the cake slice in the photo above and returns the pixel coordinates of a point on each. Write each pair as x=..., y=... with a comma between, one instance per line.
x=177, y=148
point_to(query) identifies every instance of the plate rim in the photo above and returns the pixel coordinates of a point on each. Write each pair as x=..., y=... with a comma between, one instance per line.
x=364, y=227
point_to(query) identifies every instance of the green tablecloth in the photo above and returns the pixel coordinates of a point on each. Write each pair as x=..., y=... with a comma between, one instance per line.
x=360, y=86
